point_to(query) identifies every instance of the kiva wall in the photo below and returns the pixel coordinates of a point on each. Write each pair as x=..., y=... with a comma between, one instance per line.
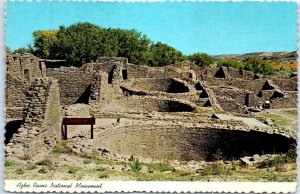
x=176, y=142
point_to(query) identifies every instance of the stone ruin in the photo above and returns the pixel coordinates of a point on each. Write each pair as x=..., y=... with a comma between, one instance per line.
x=155, y=112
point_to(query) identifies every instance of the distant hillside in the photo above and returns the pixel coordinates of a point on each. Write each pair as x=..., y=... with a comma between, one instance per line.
x=281, y=57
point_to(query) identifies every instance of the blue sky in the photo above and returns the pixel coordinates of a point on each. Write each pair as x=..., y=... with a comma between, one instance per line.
x=213, y=27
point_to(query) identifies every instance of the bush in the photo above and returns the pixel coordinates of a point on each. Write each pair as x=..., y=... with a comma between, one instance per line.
x=216, y=169
x=44, y=162
x=95, y=154
x=43, y=170
x=73, y=170
x=62, y=148
x=87, y=161
x=20, y=171
x=9, y=163
x=161, y=167
x=101, y=169
x=201, y=59
x=136, y=165
x=103, y=175
x=291, y=155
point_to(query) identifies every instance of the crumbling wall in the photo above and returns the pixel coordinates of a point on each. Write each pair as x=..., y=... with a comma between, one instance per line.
x=74, y=84
x=42, y=121
x=15, y=95
x=284, y=102
x=229, y=104
x=25, y=66
x=190, y=143
x=161, y=85
x=144, y=104
x=288, y=84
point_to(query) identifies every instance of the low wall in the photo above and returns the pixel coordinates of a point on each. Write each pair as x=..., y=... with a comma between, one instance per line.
x=175, y=142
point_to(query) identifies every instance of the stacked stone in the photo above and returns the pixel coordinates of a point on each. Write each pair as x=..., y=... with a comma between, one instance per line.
x=42, y=119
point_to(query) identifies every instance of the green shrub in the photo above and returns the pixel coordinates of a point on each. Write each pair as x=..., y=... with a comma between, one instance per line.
x=43, y=170
x=20, y=171
x=101, y=169
x=9, y=163
x=73, y=170
x=161, y=167
x=216, y=169
x=95, y=154
x=103, y=175
x=62, y=148
x=291, y=155
x=234, y=165
x=87, y=161
x=31, y=167
x=277, y=162
x=136, y=165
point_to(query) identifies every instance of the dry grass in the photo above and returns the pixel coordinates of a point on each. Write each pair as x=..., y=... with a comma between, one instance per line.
x=161, y=172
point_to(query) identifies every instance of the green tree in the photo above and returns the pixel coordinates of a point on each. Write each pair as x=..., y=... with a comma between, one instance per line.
x=163, y=54
x=259, y=66
x=201, y=59
x=28, y=49
x=78, y=44
x=231, y=62
x=43, y=42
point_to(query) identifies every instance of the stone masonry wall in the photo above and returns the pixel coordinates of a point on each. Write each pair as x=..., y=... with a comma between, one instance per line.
x=25, y=66
x=74, y=84
x=15, y=95
x=41, y=128
x=189, y=143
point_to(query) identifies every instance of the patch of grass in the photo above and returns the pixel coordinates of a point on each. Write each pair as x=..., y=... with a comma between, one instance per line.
x=278, y=120
x=161, y=167
x=31, y=167
x=20, y=170
x=44, y=162
x=101, y=169
x=278, y=162
x=87, y=161
x=73, y=170
x=292, y=112
x=43, y=170
x=185, y=173
x=62, y=148
x=215, y=169
x=234, y=165
x=9, y=163
x=136, y=166
x=95, y=154
x=103, y=175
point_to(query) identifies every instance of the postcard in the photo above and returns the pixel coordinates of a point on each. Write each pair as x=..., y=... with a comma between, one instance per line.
x=150, y=96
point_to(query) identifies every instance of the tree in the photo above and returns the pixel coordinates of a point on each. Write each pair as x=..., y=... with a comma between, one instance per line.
x=43, y=42
x=231, y=62
x=83, y=42
x=78, y=44
x=163, y=54
x=201, y=59
x=28, y=49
